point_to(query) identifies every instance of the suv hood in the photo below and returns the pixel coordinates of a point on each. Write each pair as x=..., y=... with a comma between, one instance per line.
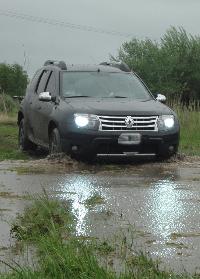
x=113, y=106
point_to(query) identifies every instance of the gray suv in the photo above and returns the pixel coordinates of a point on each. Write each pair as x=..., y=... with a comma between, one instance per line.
x=100, y=110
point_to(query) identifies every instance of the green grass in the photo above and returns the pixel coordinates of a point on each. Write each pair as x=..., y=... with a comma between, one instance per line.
x=190, y=131
x=49, y=225
x=94, y=200
x=8, y=139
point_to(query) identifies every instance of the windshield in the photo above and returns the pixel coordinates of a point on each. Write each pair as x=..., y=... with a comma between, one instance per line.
x=103, y=85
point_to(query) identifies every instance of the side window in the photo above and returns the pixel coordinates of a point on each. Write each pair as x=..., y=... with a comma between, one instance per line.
x=51, y=84
x=42, y=81
x=33, y=83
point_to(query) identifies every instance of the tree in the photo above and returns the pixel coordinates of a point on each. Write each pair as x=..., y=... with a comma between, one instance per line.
x=13, y=79
x=171, y=66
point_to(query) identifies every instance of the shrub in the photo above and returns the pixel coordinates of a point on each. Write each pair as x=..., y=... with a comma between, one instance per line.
x=7, y=104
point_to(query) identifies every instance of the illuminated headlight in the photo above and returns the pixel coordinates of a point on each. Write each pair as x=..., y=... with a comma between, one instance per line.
x=88, y=121
x=81, y=120
x=166, y=122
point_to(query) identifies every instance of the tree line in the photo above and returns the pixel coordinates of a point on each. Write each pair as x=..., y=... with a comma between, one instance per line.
x=170, y=66
x=13, y=79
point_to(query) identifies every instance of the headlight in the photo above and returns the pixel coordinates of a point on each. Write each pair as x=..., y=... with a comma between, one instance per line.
x=88, y=121
x=81, y=120
x=166, y=122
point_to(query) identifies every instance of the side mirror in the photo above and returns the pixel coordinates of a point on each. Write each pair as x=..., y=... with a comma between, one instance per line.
x=19, y=98
x=45, y=97
x=161, y=98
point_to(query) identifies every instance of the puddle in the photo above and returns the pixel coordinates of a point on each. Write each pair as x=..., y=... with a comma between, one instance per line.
x=158, y=202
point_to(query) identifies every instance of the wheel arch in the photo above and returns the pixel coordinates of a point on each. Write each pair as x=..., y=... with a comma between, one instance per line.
x=51, y=126
x=20, y=117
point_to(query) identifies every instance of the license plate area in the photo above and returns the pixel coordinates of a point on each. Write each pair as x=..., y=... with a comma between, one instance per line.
x=129, y=139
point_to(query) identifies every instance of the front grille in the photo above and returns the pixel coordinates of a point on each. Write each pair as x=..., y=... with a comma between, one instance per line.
x=118, y=123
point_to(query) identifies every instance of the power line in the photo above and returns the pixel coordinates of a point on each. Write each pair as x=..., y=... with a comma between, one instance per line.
x=55, y=22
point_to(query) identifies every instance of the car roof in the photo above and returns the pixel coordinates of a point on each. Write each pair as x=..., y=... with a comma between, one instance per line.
x=86, y=68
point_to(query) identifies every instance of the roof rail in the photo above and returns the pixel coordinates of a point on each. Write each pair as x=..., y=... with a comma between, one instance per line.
x=60, y=64
x=120, y=65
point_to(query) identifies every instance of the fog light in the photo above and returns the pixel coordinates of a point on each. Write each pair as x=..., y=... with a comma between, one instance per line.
x=74, y=148
x=171, y=148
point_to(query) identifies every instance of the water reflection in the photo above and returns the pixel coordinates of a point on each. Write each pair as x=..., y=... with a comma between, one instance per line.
x=162, y=204
x=78, y=189
x=166, y=207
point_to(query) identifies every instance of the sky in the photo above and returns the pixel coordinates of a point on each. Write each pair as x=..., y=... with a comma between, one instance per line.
x=31, y=43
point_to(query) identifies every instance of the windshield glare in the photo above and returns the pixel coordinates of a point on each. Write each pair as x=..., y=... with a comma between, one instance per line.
x=103, y=85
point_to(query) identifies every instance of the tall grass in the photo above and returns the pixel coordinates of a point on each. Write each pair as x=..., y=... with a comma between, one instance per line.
x=9, y=138
x=7, y=119
x=189, y=117
x=7, y=104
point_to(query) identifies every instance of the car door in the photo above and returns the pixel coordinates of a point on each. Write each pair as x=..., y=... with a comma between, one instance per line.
x=30, y=99
x=36, y=107
x=47, y=108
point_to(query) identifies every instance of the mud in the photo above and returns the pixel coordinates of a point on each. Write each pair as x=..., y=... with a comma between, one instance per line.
x=159, y=203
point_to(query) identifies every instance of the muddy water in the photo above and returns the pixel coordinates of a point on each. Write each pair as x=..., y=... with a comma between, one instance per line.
x=159, y=203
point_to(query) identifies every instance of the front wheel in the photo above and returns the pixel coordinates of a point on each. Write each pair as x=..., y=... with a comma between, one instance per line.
x=23, y=142
x=54, y=142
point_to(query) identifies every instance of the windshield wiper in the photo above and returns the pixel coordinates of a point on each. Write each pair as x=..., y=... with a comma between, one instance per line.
x=85, y=96
x=120, y=97
x=146, y=100
x=116, y=97
x=78, y=96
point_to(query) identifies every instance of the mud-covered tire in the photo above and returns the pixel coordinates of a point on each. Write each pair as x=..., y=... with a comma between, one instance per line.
x=23, y=142
x=54, y=142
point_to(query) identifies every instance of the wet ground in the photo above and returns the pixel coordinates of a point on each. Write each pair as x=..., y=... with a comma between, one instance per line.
x=158, y=202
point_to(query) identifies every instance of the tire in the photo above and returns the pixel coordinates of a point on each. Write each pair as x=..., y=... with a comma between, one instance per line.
x=23, y=142
x=54, y=142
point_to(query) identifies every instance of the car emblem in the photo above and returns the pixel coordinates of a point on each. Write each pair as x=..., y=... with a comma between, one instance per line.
x=129, y=121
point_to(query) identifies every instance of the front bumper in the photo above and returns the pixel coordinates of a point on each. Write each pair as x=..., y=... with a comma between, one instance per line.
x=152, y=143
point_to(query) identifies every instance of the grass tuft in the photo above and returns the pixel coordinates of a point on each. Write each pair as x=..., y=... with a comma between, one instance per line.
x=94, y=200
x=41, y=218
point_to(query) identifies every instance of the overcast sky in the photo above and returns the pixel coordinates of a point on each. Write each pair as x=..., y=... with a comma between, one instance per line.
x=39, y=41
